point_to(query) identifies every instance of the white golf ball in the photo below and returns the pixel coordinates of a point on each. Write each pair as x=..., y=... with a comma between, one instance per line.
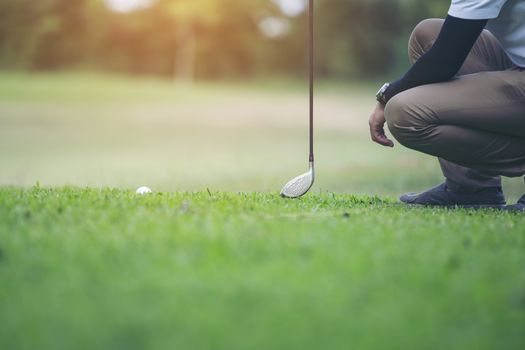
x=143, y=190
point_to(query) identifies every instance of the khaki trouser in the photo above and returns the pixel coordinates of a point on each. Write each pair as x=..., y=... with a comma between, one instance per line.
x=474, y=123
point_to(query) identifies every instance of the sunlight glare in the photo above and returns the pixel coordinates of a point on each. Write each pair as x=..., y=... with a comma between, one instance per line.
x=127, y=5
x=291, y=8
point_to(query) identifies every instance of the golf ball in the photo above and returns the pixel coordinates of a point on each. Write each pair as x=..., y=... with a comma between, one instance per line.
x=143, y=190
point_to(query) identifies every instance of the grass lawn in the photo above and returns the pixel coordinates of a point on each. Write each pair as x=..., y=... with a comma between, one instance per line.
x=214, y=259
x=108, y=269
x=95, y=130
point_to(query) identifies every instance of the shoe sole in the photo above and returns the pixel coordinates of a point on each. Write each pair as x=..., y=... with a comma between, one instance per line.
x=513, y=208
x=459, y=206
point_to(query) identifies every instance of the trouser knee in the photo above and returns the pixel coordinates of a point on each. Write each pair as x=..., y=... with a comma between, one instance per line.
x=423, y=37
x=405, y=122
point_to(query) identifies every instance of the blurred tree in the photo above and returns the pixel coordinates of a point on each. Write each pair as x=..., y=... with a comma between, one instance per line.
x=46, y=33
x=418, y=10
x=74, y=38
x=358, y=37
x=221, y=22
x=22, y=26
x=208, y=38
x=139, y=42
x=188, y=15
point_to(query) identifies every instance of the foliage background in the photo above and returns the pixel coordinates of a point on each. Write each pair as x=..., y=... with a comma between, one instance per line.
x=356, y=38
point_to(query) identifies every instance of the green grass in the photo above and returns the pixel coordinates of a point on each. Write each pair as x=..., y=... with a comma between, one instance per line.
x=102, y=130
x=236, y=267
x=108, y=269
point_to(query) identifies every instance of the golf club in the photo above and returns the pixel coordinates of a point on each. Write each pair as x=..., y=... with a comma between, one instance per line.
x=299, y=185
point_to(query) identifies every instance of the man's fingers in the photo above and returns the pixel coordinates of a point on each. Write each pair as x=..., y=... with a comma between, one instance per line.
x=386, y=142
x=383, y=140
x=377, y=131
x=378, y=135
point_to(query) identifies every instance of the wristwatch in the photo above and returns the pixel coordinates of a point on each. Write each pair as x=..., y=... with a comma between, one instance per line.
x=380, y=96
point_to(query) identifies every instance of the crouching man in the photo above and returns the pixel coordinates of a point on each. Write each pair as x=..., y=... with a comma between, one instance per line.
x=463, y=101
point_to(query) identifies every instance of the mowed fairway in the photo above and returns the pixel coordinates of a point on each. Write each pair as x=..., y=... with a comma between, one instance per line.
x=214, y=258
x=108, y=269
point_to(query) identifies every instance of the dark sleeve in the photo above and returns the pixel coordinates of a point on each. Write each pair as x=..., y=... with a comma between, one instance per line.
x=445, y=58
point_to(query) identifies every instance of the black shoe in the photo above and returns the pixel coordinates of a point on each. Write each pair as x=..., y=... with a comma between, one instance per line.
x=441, y=196
x=520, y=206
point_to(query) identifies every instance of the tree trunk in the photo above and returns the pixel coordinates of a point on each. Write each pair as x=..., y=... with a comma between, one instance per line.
x=184, y=65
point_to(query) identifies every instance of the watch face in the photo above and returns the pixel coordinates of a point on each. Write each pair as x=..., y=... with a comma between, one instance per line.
x=380, y=94
x=382, y=90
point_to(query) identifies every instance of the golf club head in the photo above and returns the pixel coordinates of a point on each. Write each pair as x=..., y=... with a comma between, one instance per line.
x=298, y=186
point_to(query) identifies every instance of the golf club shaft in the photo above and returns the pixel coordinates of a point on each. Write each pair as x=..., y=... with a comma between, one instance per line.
x=311, y=63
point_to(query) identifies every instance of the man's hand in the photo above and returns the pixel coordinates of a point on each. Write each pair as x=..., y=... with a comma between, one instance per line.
x=377, y=126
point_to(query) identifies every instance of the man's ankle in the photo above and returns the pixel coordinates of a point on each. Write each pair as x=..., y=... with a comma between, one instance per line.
x=467, y=189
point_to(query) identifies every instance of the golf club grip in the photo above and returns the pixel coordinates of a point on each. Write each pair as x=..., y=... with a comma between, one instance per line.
x=311, y=63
